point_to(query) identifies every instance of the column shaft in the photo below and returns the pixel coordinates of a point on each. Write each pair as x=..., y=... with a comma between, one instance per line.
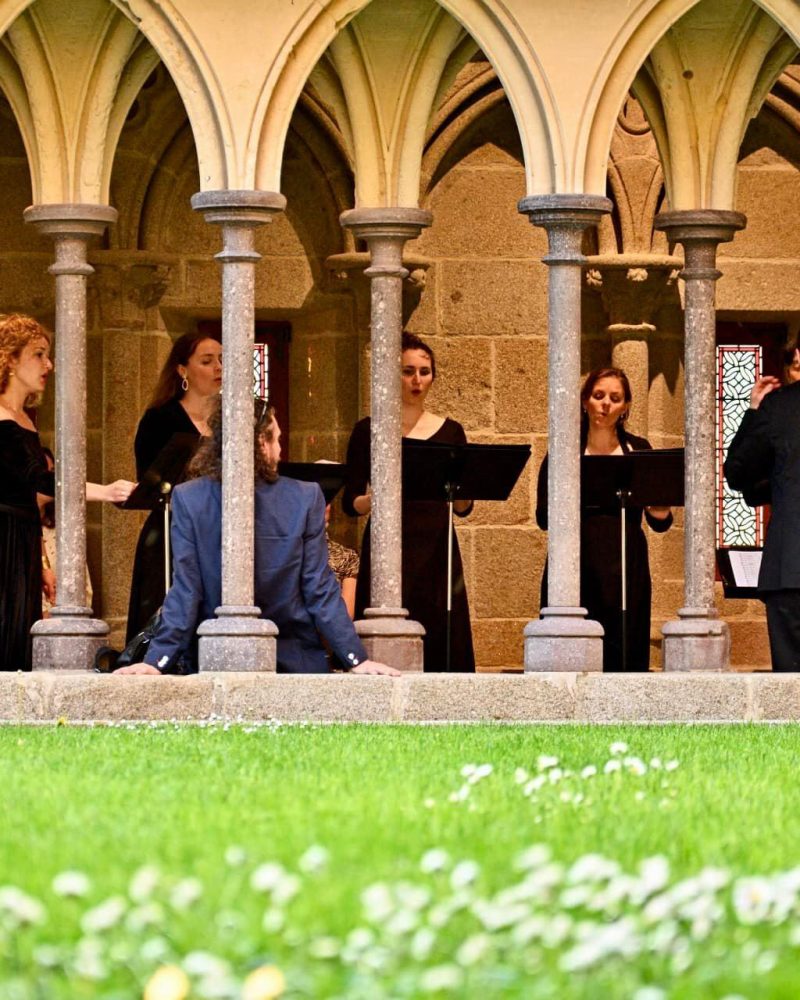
x=699, y=640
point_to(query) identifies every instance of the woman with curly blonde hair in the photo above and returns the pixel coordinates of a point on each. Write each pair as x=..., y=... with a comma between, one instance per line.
x=24, y=569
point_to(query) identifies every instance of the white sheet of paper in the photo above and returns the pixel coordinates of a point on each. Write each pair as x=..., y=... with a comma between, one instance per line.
x=745, y=567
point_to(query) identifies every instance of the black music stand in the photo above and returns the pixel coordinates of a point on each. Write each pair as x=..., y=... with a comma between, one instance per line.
x=329, y=475
x=155, y=487
x=653, y=478
x=445, y=472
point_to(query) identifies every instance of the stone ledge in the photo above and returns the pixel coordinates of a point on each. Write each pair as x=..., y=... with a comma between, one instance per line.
x=415, y=698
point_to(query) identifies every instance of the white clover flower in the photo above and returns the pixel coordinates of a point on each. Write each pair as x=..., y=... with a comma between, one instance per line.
x=618, y=748
x=144, y=883
x=20, y=907
x=274, y=920
x=441, y=977
x=473, y=949
x=592, y=868
x=671, y=765
x=655, y=764
x=89, y=961
x=752, y=899
x=581, y=956
x=544, y=761
x=528, y=930
x=286, y=889
x=185, y=893
x=104, y=916
x=649, y=993
x=360, y=938
x=434, y=860
x=48, y=956
x=314, y=860
x=611, y=766
x=557, y=930
x=402, y=921
x=635, y=765
x=467, y=770
x=267, y=876
x=534, y=784
x=663, y=936
x=235, y=856
x=221, y=987
x=205, y=964
x=413, y=897
x=422, y=944
x=460, y=795
x=554, y=775
x=483, y=771
x=495, y=916
x=71, y=884
x=429, y=803
x=653, y=874
x=589, y=771
x=377, y=902
x=520, y=776
x=575, y=896
x=154, y=949
x=712, y=879
x=533, y=857
x=464, y=873
x=324, y=947
x=144, y=916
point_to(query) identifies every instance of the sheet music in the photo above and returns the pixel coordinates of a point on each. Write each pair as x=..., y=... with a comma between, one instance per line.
x=745, y=567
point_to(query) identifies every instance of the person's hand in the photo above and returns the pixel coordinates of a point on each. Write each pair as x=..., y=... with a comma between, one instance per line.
x=374, y=667
x=363, y=504
x=138, y=668
x=119, y=491
x=763, y=387
x=49, y=584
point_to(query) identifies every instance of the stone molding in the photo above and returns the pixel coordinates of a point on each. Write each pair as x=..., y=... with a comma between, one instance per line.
x=49, y=697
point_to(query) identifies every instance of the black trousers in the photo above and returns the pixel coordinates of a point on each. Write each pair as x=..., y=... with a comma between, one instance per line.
x=783, y=624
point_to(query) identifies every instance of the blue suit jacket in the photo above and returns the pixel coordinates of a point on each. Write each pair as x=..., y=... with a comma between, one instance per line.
x=294, y=586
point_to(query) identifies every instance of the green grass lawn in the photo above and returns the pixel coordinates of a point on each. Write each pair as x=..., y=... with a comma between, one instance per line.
x=426, y=886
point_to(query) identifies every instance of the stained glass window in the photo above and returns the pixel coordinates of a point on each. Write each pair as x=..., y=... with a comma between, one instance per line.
x=261, y=370
x=737, y=368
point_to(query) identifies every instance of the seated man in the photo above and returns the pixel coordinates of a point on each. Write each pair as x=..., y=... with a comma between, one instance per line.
x=294, y=585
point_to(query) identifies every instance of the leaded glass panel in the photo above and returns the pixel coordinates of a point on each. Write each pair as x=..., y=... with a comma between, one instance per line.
x=261, y=370
x=737, y=368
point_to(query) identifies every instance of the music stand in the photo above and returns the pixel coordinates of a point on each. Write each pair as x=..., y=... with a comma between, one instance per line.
x=652, y=478
x=329, y=475
x=450, y=472
x=155, y=487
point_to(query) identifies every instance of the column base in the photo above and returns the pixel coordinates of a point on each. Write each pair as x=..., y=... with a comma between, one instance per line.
x=68, y=640
x=563, y=639
x=696, y=641
x=238, y=639
x=391, y=637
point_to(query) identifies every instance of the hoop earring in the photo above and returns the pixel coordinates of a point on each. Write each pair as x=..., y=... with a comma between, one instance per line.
x=185, y=384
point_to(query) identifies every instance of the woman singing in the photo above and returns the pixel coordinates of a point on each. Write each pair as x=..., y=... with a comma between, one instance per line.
x=425, y=524
x=24, y=568
x=606, y=400
x=187, y=386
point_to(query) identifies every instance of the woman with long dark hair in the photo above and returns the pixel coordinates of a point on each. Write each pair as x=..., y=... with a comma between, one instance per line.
x=605, y=402
x=188, y=383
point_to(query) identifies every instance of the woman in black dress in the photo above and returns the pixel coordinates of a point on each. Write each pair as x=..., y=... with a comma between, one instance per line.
x=606, y=400
x=425, y=524
x=24, y=569
x=187, y=385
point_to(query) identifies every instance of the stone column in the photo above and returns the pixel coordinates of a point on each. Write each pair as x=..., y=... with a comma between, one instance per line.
x=564, y=638
x=699, y=640
x=632, y=287
x=238, y=638
x=69, y=638
x=388, y=633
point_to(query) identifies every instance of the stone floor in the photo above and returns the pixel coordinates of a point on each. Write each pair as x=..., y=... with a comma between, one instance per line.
x=542, y=697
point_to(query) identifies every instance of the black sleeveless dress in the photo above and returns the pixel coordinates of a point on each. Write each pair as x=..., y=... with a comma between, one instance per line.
x=23, y=474
x=425, y=528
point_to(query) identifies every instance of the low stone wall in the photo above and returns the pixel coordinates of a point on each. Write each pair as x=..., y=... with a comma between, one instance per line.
x=542, y=697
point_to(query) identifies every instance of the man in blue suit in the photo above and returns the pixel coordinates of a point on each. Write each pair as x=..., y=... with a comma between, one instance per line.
x=294, y=586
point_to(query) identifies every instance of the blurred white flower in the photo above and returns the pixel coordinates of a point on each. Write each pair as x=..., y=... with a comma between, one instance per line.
x=441, y=977
x=377, y=901
x=185, y=893
x=314, y=859
x=267, y=876
x=205, y=964
x=286, y=889
x=467, y=770
x=589, y=771
x=653, y=874
x=273, y=920
x=71, y=884
x=649, y=993
x=413, y=897
x=520, y=776
x=591, y=868
x=89, y=961
x=169, y=982
x=655, y=764
x=635, y=765
x=544, y=761
x=422, y=944
x=142, y=917
x=752, y=899
x=554, y=775
x=402, y=922
x=48, y=956
x=324, y=947
x=494, y=916
x=104, y=916
x=144, y=883
x=20, y=907
x=154, y=949
x=434, y=860
x=671, y=765
x=473, y=949
x=618, y=748
x=534, y=784
x=557, y=930
x=528, y=930
x=235, y=856
x=612, y=765
x=533, y=857
x=464, y=873
x=265, y=983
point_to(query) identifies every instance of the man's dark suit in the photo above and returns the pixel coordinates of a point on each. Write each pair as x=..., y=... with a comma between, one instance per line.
x=294, y=585
x=767, y=447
